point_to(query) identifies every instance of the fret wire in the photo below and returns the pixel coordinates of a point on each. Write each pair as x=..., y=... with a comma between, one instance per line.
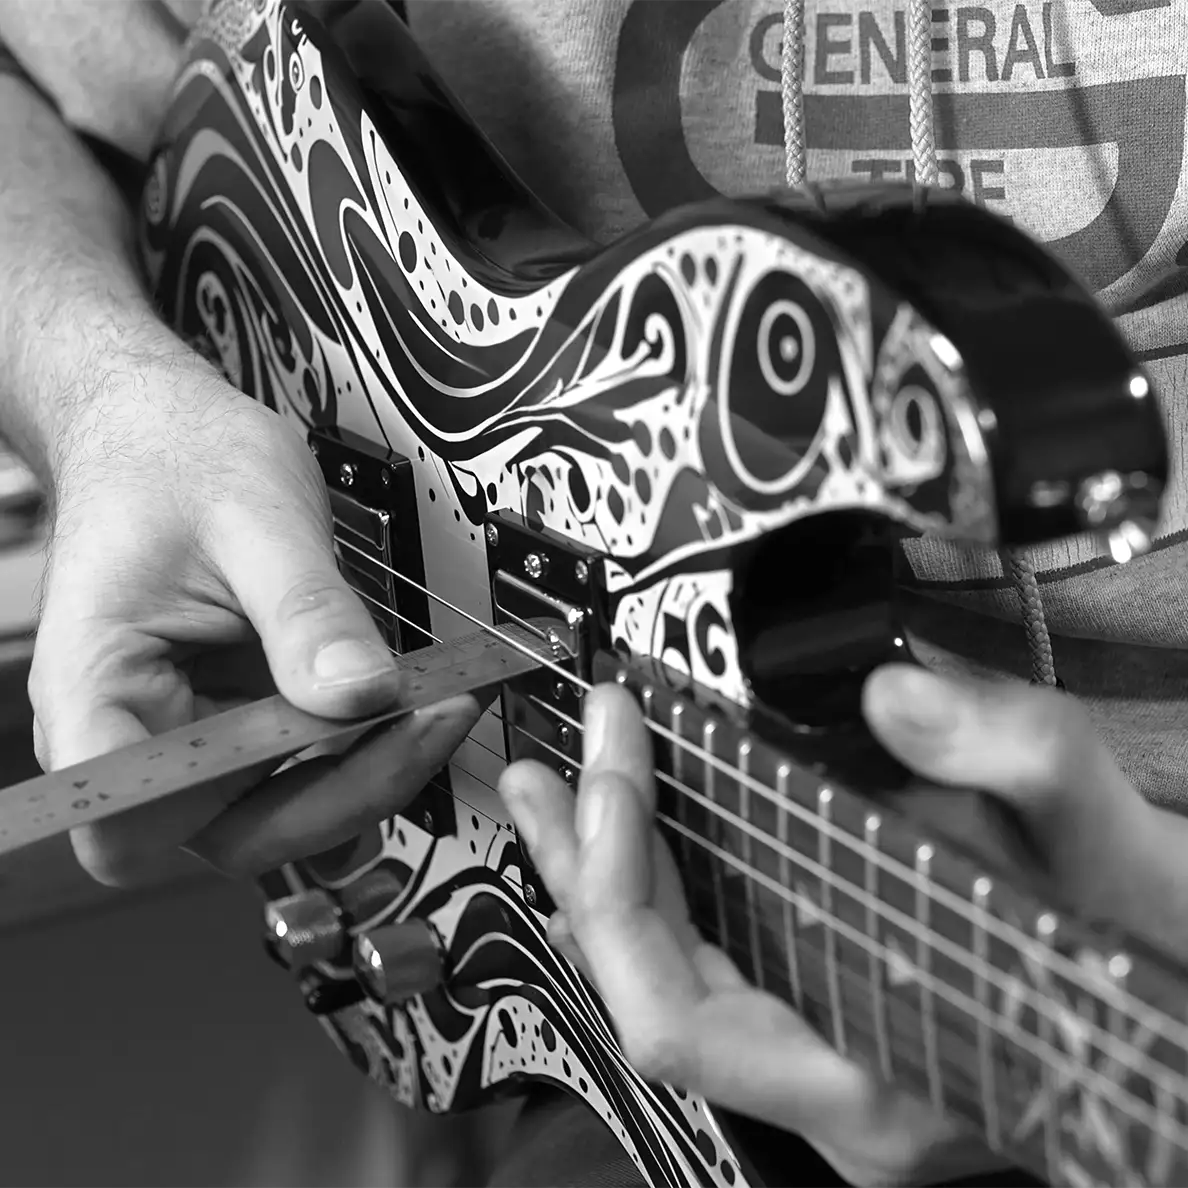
x=1139, y=1010
x=1044, y=1054
x=1002, y=929
x=1045, y=930
x=878, y=1003
x=939, y=943
x=904, y=1040
x=791, y=931
x=744, y=811
x=981, y=947
x=924, y=965
x=1043, y=1051
x=825, y=891
x=715, y=827
x=676, y=719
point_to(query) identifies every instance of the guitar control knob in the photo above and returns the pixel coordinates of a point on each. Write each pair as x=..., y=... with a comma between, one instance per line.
x=303, y=929
x=373, y=892
x=397, y=962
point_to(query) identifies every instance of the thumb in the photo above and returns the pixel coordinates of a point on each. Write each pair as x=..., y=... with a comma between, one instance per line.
x=1035, y=749
x=325, y=653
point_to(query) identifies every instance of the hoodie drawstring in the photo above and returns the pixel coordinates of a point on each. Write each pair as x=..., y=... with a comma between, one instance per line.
x=923, y=135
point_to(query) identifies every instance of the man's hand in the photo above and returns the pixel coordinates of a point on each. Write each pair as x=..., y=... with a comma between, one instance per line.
x=684, y=1012
x=192, y=569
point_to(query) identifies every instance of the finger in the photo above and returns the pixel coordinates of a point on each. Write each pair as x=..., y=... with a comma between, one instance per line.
x=324, y=802
x=1034, y=748
x=325, y=652
x=541, y=807
x=616, y=740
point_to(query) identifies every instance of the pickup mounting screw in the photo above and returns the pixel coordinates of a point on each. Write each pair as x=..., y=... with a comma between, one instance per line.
x=581, y=571
x=535, y=565
x=492, y=535
x=346, y=472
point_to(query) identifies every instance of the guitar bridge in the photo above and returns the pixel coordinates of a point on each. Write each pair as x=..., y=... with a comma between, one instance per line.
x=377, y=536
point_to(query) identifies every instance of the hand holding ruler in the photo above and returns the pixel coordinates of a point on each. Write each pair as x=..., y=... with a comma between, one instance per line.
x=263, y=733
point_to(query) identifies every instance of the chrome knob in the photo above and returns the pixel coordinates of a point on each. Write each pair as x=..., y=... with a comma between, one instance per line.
x=1124, y=508
x=372, y=892
x=397, y=962
x=304, y=929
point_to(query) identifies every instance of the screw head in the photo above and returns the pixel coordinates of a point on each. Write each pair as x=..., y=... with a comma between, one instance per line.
x=559, y=688
x=535, y=565
x=492, y=535
x=581, y=571
x=427, y=822
x=313, y=447
x=564, y=735
x=569, y=776
x=347, y=472
x=385, y=477
x=530, y=895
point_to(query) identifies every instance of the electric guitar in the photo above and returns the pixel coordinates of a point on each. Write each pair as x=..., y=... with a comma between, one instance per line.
x=694, y=453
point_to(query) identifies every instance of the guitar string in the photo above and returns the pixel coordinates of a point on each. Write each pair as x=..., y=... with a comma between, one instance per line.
x=938, y=943
x=1044, y=1052
x=1121, y=1052
x=1114, y=1047
x=1111, y=993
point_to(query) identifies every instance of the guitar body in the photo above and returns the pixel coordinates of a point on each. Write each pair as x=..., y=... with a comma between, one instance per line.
x=692, y=449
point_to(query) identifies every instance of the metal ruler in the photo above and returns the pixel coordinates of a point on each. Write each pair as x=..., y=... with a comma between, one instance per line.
x=262, y=734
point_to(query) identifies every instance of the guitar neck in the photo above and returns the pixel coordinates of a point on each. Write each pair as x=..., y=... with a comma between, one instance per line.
x=1066, y=1052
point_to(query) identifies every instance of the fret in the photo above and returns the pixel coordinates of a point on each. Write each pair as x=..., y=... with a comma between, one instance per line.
x=715, y=830
x=924, y=855
x=782, y=780
x=982, y=889
x=1045, y=1030
x=878, y=999
x=748, y=851
x=825, y=857
x=676, y=722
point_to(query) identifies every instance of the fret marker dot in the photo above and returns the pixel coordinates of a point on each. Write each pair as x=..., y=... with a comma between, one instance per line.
x=982, y=888
x=825, y=796
x=1046, y=924
x=924, y=855
x=873, y=823
x=1119, y=966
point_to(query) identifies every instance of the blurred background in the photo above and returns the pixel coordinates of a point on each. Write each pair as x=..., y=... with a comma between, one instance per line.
x=145, y=1039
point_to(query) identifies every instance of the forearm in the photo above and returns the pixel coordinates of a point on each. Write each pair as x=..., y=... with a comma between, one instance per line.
x=77, y=328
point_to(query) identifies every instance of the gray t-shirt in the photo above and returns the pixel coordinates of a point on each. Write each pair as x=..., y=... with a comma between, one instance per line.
x=1068, y=118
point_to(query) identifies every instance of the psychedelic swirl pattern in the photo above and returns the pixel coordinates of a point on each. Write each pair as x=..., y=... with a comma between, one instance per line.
x=709, y=378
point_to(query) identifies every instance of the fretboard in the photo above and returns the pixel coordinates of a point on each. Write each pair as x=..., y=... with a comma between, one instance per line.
x=1066, y=1052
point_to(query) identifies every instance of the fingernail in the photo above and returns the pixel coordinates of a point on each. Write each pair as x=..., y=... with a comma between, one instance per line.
x=921, y=701
x=346, y=661
x=588, y=813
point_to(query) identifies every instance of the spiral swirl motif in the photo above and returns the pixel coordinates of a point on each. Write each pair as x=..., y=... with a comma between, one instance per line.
x=786, y=343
